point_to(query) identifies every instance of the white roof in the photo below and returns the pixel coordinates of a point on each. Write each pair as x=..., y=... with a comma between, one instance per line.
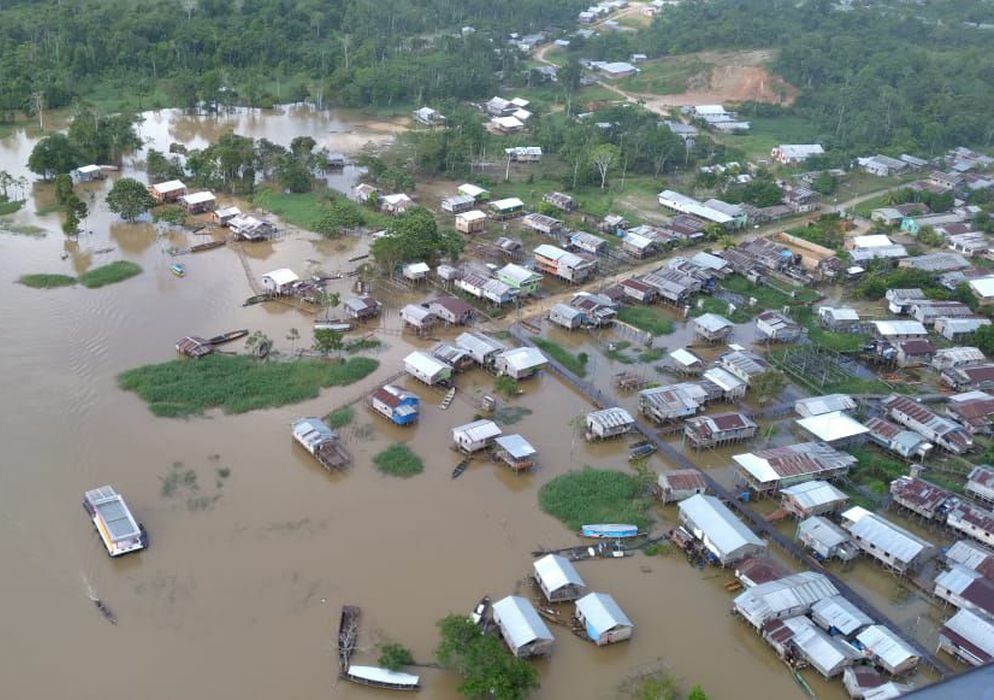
x=872, y=241
x=772, y=599
x=474, y=215
x=523, y=358
x=829, y=403
x=518, y=274
x=685, y=357
x=613, y=417
x=841, y=614
x=227, y=212
x=519, y=102
x=517, y=617
x=800, y=150
x=170, y=186
x=471, y=189
x=840, y=313
x=395, y=199
x=899, y=327
x=550, y=252
x=719, y=525
x=601, y=612
x=638, y=241
x=983, y=286
x=830, y=427
x=812, y=494
x=413, y=312
x=823, y=531
x=479, y=344
x=479, y=430
x=508, y=122
x=282, y=276
x=509, y=203
x=712, y=322
x=824, y=652
x=885, y=645
x=418, y=268
x=689, y=205
x=516, y=446
x=198, y=197
x=425, y=363
x=383, y=675
x=885, y=535
x=976, y=629
x=557, y=571
x=522, y=115
x=957, y=578
x=87, y=169
x=723, y=379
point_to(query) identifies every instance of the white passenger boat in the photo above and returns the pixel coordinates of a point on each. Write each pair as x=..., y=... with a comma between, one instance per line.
x=115, y=524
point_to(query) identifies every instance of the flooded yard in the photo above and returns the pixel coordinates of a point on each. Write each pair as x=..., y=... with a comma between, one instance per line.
x=254, y=547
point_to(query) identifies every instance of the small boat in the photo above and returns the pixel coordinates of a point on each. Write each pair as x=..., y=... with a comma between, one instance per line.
x=460, y=468
x=105, y=611
x=639, y=450
x=609, y=531
x=481, y=613
x=115, y=524
x=177, y=270
x=382, y=678
x=257, y=299
x=335, y=326
x=201, y=247
x=228, y=337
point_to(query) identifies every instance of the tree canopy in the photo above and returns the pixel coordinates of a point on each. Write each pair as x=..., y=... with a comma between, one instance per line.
x=488, y=670
x=129, y=198
x=415, y=237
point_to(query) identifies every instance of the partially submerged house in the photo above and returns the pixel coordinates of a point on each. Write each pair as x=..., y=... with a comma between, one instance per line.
x=362, y=307
x=719, y=429
x=522, y=629
x=166, y=192
x=887, y=542
x=396, y=404
x=520, y=363
x=558, y=579
x=812, y=498
x=726, y=538
x=609, y=423
x=475, y=436
x=712, y=328
x=250, y=228
x=281, y=281
x=427, y=368
x=678, y=484
x=603, y=619
x=198, y=202
x=514, y=451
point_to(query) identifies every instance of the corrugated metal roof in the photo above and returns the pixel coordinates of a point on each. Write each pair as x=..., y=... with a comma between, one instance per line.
x=523, y=358
x=601, y=612
x=822, y=531
x=712, y=322
x=557, y=571
x=812, y=494
x=518, y=618
x=884, y=644
x=516, y=446
x=978, y=631
x=972, y=556
x=479, y=430
x=886, y=536
x=840, y=613
x=833, y=426
x=772, y=599
x=791, y=461
x=685, y=358
x=614, y=417
x=719, y=525
x=823, y=652
x=425, y=363
x=889, y=328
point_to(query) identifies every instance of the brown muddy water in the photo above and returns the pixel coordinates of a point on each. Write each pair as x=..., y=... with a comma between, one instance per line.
x=254, y=548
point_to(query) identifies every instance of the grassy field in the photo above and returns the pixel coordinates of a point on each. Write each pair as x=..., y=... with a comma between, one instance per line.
x=646, y=318
x=664, y=76
x=10, y=207
x=767, y=132
x=111, y=273
x=305, y=209
x=840, y=342
x=43, y=280
x=399, y=460
x=575, y=363
x=592, y=496
x=236, y=383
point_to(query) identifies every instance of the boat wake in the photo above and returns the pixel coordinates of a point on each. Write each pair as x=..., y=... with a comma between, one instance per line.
x=100, y=605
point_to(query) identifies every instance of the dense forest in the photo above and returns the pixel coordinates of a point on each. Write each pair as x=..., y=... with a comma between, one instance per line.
x=349, y=51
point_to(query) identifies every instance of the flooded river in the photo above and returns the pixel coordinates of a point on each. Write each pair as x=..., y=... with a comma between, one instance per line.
x=254, y=548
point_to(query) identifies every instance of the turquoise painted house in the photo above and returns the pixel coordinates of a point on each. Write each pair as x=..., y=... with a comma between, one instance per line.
x=521, y=278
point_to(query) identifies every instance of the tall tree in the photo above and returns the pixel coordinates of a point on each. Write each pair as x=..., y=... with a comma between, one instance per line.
x=129, y=198
x=604, y=157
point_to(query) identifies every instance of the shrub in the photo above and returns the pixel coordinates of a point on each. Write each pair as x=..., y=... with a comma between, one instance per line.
x=399, y=460
x=594, y=496
x=109, y=274
x=46, y=281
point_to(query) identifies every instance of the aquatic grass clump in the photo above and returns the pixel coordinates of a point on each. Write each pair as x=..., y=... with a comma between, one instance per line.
x=577, y=364
x=109, y=274
x=399, y=460
x=647, y=319
x=340, y=417
x=236, y=383
x=43, y=280
x=592, y=496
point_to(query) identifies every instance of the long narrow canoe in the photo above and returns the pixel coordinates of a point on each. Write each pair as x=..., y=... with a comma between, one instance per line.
x=383, y=678
x=609, y=531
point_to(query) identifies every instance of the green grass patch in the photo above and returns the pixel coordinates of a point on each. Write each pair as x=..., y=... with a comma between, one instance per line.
x=361, y=344
x=11, y=207
x=616, y=352
x=399, y=460
x=646, y=318
x=768, y=297
x=340, y=417
x=766, y=132
x=236, y=383
x=665, y=76
x=575, y=363
x=306, y=209
x=875, y=471
x=109, y=274
x=652, y=355
x=43, y=280
x=592, y=496
x=840, y=342
x=712, y=305
x=22, y=229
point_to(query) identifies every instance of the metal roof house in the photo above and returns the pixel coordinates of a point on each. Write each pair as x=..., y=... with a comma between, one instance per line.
x=167, y=191
x=888, y=650
x=417, y=317
x=888, y=543
x=362, y=307
x=603, y=620
x=719, y=429
x=520, y=363
x=515, y=452
x=969, y=637
x=837, y=429
x=974, y=521
x=566, y=316
x=894, y=438
x=798, y=636
x=609, y=423
x=472, y=221
x=678, y=484
x=198, y=202
x=777, y=327
x=521, y=278
x=558, y=578
x=396, y=404
x=686, y=362
x=666, y=403
x=826, y=539
x=476, y=436
x=786, y=597
x=898, y=330
x=322, y=442
x=743, y=364
x=452, y=310
x=980, y=483
x=972, y=556
x=966, y=589
x=115, y=524
x=712, y=328
x=947, y=358
x=921, y=497
x=723, y=535
x=812, y=498
x=941, y=431
x=839, y=615
x=963, y=378
x=521, y=627
x=482, y=348
x=866, y=683
x=772, y=469
x=426, y=368
x=279, y=281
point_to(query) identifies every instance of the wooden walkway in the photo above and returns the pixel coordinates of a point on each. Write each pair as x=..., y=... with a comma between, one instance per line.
x=257, y=289
x=753, y=519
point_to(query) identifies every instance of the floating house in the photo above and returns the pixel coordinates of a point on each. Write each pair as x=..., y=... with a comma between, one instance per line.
x=165, y=192
x=712, y=328
x=812, y=498
x=888, y=650
x=772, y=469
x=362, y=307
x=397, y=405
x=520, y=363
x=473, y=221
x=451, y=310
x=609, y=423
x=482, y=348
x=515, y=452
x=826, y=539
x=427, y=369
x=198, y=202
x=786, y=597
x=603, y=619
x=280, y=281
x=888, y=543
x=719, y=429
x=726, y=537
x=117, y=527
x=322, y=442
x=678, y=484
x=558, y=578
x=475, y=436
x=522, y=629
